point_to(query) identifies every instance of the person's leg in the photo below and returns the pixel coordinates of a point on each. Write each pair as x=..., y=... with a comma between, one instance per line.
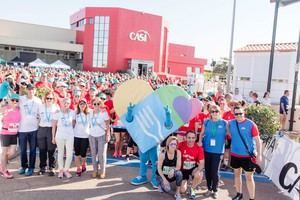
x=238, y=180
x=178, y=178
x=50, y=149
x=117, y=143
x=23, y=148
x=183, y=186
x=215, y=166
x=122, y=135
x=207, y=165
x=93, y=148
x=42, y=144
x=197, y=174
x=11, y=151
x=83, y=151
x=60, y=153
x=32, y=145
x=77, y=148
x=250, y=184
x=102, y=155
x=69, y=152
x=4, y=158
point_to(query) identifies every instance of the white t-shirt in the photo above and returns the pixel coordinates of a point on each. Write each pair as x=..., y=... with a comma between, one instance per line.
x=98, y=126
x=46, y=114
x=29, y=113
x=82, y=125
x=64, y=124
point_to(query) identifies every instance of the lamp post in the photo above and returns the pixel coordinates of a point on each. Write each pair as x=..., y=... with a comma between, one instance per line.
x=295, y=86
x=228, y=88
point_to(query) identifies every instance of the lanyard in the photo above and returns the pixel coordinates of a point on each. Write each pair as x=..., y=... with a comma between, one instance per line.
x=27, y=109
x=65, y=120
x=94, y=119
x=47, y=114
x=83, y=121
x=214, y=128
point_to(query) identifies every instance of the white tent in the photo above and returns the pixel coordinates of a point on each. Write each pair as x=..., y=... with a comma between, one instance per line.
x=59, y=64
x=38, y=63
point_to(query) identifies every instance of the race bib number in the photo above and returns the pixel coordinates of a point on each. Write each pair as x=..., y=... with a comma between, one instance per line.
x=189, y=164
x=166, y=170
x=13, y=127
x=212, y=142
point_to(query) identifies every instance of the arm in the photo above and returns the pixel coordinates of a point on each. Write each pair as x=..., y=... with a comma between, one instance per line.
x=201, y=135
x=283, y=108
x=258, y=148
x=107, y=134
x=159, y=165
x=201, y=165
x=178, y=164
x=54, y=126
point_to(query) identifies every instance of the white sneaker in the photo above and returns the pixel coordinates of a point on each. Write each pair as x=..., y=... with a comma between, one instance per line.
x=177, y=196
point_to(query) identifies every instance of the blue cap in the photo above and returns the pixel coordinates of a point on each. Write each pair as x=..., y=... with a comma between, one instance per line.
x=14, y=96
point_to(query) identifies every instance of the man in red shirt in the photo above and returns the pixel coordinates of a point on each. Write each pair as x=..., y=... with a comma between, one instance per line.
x=192, y=163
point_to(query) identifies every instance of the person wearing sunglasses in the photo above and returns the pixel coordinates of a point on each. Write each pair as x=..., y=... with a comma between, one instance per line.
x=245, y=138
x=81, y=133
x=214, y=135
x=63, y=136
x=10, y=124
x=44, y=135
x=192, y=160
x=29, y=106
x=168, y=167
x=99, y=137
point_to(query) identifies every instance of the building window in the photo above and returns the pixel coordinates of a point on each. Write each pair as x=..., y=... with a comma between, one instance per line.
x=245, y=78
x=101, y=36
x=188, y=70
x=197, y=70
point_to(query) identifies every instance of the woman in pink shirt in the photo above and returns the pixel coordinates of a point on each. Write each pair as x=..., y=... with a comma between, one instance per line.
x=10, y=125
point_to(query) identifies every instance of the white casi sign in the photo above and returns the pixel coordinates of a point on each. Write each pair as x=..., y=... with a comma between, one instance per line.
x=140, y=35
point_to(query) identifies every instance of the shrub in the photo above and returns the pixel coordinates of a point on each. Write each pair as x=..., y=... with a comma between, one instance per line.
x=266, y=118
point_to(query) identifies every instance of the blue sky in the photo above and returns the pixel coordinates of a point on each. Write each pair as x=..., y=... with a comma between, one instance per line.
x=205, y=24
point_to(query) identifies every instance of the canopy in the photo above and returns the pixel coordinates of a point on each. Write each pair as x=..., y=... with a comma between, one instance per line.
x=2, y=61
x=38, y=63
x=59, y=64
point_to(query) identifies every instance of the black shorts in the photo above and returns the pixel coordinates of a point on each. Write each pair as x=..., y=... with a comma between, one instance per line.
x=281, y=112
x=119, y=129
x=7, y=140
x=244, y=163
x=228, y=144
x=80, y=146
x=187, y=173
x=131, y=142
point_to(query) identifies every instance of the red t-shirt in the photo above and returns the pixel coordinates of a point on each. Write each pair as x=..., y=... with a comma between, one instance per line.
x=228, y=115
x=190, y=156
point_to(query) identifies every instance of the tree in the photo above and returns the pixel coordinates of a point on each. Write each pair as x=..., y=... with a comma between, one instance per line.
x=220, y=68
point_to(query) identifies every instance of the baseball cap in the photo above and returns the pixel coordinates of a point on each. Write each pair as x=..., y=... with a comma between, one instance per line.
x=30, y=86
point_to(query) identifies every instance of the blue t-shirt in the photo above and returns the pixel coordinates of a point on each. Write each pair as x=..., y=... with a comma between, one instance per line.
x=4, y=87
x=214, y=136
x=237, y=146
x=285, y=101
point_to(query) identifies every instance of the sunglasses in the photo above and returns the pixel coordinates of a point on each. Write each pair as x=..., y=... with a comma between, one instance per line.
x=97, y=104
x=214, y=111
x=237, y=114
x=82, y=103
x=49, y=98
x=15, y=100
x=173, y=144
x=24, y=84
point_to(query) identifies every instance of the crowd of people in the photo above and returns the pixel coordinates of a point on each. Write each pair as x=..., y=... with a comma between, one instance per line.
x=72, y=111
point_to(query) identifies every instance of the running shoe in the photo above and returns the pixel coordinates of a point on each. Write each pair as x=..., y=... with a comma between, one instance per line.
x=51, y=172
x=177, y=196
x=67, y=174
x=238, y=196
x=139, y=180
x=115, y=155
x=120, y=154
x=214, y=195
x=60, y=174
x=83, y=168
x=78, y=172
x=192, y=194
x=7, y=174
x=21, y=171
x=29, y=172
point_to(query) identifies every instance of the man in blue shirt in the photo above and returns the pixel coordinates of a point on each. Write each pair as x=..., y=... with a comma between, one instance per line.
x=283, y=109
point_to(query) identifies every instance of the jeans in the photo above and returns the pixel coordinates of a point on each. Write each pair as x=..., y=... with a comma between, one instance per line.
x=98, y=147
x=46, y=147
x=31, y=138
x=177, y=177
x=212, y=165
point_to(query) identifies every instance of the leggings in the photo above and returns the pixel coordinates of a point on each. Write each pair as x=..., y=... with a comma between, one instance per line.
x=177, y=177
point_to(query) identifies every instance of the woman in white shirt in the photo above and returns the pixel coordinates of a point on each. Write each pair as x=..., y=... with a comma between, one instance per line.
x=44, y=135
x=81, y=133
x=63, y=135
x=99, y=136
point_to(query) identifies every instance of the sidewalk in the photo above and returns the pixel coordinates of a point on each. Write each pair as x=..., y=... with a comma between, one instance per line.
x=116, y=186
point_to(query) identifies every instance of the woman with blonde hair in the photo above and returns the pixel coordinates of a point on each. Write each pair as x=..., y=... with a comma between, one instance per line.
x=99, y=137
x=63, y=135
x=213, y=134
x=168, y=167
x=44, y=135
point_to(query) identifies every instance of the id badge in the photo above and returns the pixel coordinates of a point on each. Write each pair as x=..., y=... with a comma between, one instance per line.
x=212, y=142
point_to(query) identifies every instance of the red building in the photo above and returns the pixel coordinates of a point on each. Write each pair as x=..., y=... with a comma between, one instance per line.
x=117, y=39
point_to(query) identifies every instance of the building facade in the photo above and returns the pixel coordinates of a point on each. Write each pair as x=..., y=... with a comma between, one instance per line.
x=251, y=68
x=117, y=39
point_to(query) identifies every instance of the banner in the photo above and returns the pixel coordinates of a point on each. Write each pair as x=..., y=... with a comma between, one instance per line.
x=284, y=167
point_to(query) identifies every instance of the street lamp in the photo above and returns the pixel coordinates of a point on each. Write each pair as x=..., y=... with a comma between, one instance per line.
x=228, y=88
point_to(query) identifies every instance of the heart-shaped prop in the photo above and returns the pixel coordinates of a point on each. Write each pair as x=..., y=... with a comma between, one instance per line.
x=183, y=107
x=196, y=107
